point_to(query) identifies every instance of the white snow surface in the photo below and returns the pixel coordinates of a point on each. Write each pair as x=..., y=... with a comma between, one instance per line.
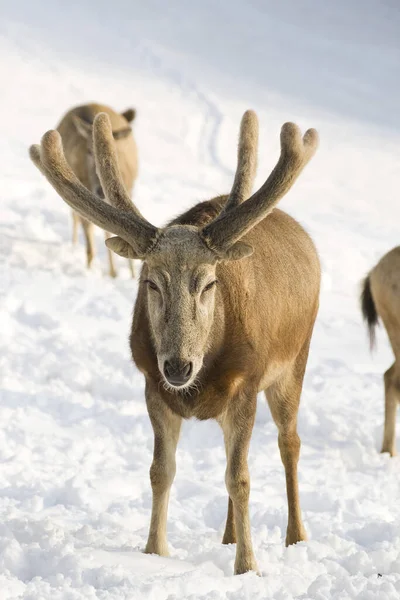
x=75, y=438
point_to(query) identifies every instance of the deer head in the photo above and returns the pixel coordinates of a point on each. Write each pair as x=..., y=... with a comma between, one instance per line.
x=180, y=260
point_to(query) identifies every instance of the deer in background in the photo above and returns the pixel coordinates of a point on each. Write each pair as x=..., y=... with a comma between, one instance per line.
x=380, y=297
x=76, y=130
x=226, y=304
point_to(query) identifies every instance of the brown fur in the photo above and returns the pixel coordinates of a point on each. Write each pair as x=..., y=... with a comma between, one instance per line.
x=285, y=267
x=381, y=298
x=224, y=291
x=76, y=148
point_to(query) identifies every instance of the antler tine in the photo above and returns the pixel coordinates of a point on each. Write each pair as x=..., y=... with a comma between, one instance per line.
x=50, y=160
x=34, y=154
x=108, y=168
x=296, y=151
x=247, y=161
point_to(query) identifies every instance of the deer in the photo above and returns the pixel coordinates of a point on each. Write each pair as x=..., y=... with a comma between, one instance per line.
x=226, y=304
x=76, y=130
x=380, y=298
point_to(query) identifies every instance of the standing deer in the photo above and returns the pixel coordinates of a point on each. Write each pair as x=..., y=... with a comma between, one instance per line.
x=226, y=306
x=76, y=130
x=380, y=297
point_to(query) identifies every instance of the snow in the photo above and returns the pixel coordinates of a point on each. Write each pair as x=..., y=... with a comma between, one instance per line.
x=75, y=439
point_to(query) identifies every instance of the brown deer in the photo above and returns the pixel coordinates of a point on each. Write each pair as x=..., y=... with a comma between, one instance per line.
x=76, y=130
x=380, y=297
x=225, y=308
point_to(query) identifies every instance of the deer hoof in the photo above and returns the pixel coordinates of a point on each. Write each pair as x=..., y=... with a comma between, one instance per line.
x=296, y=535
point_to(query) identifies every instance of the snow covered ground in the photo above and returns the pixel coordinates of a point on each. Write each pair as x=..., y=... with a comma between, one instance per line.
x=75, y=440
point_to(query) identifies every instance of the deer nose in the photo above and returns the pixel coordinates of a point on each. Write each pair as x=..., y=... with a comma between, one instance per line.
x=177, y=372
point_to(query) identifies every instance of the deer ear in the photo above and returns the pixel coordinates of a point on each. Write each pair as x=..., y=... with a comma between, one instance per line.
x=238, y=251
x=122, y=133
x=129, y=114
x=83, y=127
x=121, y=247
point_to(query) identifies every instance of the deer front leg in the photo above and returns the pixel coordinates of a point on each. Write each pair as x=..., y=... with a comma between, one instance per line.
x=111, y=258
x=237, y=426
x=88, y=232
x=166, y=427
x=75, y=226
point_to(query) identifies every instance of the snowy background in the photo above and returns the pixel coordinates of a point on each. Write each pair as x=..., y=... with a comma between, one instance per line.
x=75, y=439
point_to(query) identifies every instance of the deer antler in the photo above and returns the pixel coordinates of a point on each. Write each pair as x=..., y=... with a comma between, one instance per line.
x=108, y=168
x=120, y=217
x=247, y=161
x=232, y=224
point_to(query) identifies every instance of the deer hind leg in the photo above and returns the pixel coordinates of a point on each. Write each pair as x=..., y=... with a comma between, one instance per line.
x=88, y=231
x=131, y=267
x=283, y=399
x=229, y=536
x=230, y=530
x=237, y=426
x=392, y=397
x=111, y=257
x=75, y=226
x=166, y=427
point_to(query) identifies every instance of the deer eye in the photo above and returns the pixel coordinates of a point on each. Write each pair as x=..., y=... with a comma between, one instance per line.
x=209, y=286
x=151, y=285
